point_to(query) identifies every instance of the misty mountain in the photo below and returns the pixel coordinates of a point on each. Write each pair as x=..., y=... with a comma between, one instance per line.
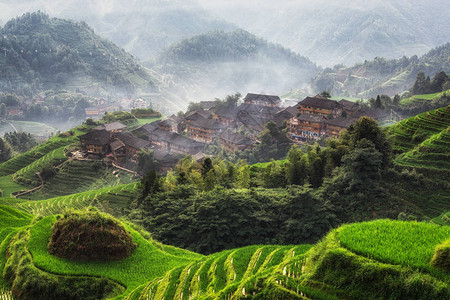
x=382, y=76
x=39, y=52
x=141, y=27
x=219, y=63
x=344, y=31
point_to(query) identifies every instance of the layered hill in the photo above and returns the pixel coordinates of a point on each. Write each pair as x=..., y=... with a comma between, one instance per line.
x=220, y=63
x=382, y=76
x=40, y=52
x=345, y=31
x=372, y=260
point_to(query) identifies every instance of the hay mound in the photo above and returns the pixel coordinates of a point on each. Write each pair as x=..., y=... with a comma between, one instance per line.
x=90, y=236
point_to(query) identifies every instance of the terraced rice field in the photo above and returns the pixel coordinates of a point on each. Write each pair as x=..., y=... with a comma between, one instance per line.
x=408, y=133
x=224, y=274
x=21, y=161
x=10, y=220
x=27, y=175
x=33, y=128
x=396, y=242
x=72, y=177
x=9, y=186
x=116, y=197
x=432, y=153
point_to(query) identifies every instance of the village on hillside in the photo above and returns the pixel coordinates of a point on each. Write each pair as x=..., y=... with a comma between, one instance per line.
x=235, y=127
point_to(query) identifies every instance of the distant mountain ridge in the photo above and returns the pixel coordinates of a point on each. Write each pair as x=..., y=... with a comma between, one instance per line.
x=344, y=31
x=219, y=63
x=381, y=76
x=40, y=53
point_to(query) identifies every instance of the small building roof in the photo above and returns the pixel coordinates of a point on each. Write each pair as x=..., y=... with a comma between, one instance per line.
x=134, y=142
x=320, y=102
x=117, y=144
x=348, y=105
x=340, y=122
x=207, y=124
x=199, y=114
x=96, y=137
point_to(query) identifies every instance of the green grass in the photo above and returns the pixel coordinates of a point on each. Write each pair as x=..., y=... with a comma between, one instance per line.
x=10, y=220
x=8, y=186
x=395, y=242
x=146, y=263
x=33, y=128
x=415, y=98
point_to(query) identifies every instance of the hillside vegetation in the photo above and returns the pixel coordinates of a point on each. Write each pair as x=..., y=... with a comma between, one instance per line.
x=43, y=53
x=371, y=260
x=382, y=76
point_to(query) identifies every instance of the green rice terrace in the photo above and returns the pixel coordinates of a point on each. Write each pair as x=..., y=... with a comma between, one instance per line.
x=423, y=140
x=371, y=260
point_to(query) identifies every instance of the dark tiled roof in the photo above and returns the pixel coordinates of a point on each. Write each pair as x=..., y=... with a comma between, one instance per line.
x=132, y=141
x=340, y=121
x=349, y=105
x=270, y=99
x=257, y=109
x=227, y=112
x=178, y=139
x=207, y=124
x=116, y=145
x=199, y=114
x=96, y=137
x=320, y=102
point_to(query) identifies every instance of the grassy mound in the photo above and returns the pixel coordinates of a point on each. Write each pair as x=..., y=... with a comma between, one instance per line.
x=441, y=257
x=29, y=282
x=90, y=235
x=148, y=261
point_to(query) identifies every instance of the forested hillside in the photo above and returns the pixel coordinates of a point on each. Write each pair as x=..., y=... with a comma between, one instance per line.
x=40, y=52
x=220, y=63
x=382, y=76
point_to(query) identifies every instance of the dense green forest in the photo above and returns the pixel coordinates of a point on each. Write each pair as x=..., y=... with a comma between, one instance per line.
x=354, y=178
x=40, y=52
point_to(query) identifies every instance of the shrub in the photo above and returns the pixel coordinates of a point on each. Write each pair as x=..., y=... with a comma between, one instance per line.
x=441, y=257
x=90, y=235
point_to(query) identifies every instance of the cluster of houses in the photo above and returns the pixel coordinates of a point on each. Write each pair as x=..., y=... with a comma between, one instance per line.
x=236, y=128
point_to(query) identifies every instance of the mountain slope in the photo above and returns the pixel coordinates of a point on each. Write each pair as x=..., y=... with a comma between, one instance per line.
x=141, y=27
x=40, y=53
x=345, y=31
x=382, y=76
x=220, y=63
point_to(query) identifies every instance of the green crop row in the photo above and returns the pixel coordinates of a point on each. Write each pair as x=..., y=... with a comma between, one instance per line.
x=396, y=242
